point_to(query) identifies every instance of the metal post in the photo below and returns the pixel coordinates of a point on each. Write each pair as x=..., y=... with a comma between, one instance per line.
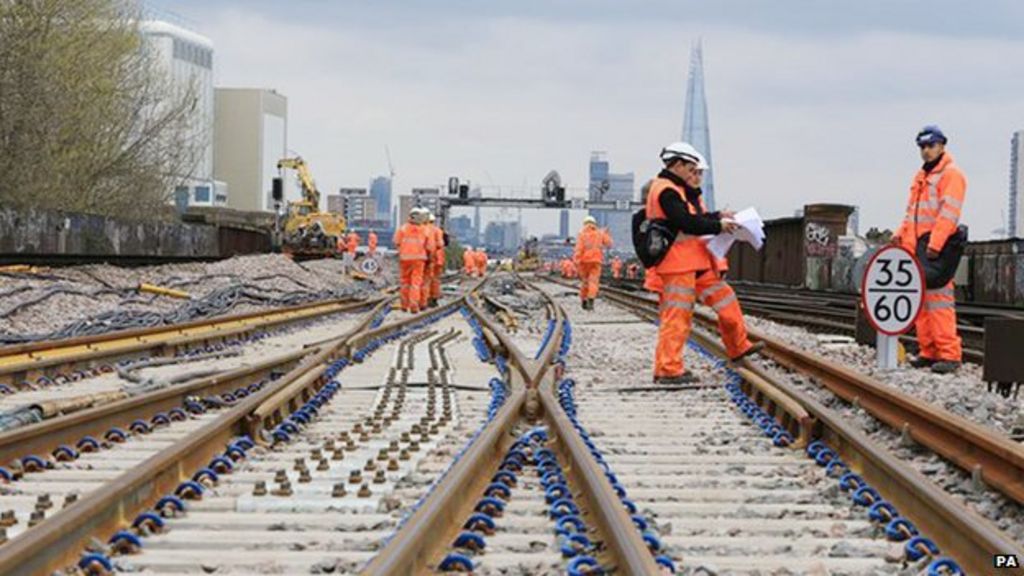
x=888, y=351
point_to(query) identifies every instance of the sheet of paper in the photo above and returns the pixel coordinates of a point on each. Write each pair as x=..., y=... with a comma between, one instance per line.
x=751, y=231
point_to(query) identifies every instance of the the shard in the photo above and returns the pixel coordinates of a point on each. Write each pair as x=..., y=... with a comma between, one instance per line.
x=695, y=120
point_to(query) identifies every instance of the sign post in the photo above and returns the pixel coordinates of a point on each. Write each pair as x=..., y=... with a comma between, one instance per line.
x=892, y=292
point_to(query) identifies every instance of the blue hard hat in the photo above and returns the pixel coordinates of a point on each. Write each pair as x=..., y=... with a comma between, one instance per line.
x=930, y=134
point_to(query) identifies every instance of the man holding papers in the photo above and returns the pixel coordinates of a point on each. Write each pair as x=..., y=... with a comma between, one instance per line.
x=689, y=269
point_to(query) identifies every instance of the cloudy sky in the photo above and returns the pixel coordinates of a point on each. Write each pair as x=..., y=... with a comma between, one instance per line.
x=810, y=100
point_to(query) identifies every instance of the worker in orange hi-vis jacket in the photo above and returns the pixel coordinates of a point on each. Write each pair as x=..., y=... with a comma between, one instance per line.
x=428, y=270
x=936, y=199
x=688, y=270
x=414, y=248
x=371, y=242
x=468, y=261
x=632, y=271
x=588, y=256
x=481, y=262
x=437, y=263
x=617, y=268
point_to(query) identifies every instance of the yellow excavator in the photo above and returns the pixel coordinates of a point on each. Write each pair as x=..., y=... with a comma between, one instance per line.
x=307, y=230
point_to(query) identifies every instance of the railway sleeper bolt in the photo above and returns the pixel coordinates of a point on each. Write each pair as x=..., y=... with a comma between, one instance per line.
x=364, y=491
x=338, y=490
x=36, y=517
x=304, y=476
x=355, y=477
x=70, y=499
x=392, y=465
x=324, y=465
x=43, y=502
x=919, y=547
x=283, y=489
x=281, y=476
x=300, y=464
x=260, y=489
x=403, y=455
x=370, y=466
x=379, y=477
x=338, y=454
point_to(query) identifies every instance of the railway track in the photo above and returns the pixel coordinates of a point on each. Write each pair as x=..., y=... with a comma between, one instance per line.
x=43, y=364
x=441, y=442
x=993, y=459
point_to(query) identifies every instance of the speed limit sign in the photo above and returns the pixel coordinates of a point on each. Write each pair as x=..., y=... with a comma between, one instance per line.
x=892, y=292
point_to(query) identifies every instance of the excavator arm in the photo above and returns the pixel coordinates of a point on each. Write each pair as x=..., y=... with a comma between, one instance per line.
x=309, y=192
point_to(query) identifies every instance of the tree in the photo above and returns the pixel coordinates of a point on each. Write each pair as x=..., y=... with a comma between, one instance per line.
x=89, y=120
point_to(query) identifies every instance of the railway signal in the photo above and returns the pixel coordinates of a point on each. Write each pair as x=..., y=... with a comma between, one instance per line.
x=892, y=292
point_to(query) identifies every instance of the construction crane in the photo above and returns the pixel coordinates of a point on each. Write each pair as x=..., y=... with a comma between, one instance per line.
x=308, y=232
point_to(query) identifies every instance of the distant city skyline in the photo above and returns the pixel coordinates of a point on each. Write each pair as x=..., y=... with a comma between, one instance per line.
x=806, y=106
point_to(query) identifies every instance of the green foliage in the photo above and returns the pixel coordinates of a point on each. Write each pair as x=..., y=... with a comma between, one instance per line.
x=88, y=119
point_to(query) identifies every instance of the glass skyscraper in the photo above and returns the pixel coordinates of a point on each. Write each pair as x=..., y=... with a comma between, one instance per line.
x=695, y=120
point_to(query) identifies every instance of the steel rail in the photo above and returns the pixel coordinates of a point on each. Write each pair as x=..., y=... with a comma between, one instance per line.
x=44, y=437
x=55, y=543
x=959, y=532
x=21, y=361
x=986, y=454
x=423, y=537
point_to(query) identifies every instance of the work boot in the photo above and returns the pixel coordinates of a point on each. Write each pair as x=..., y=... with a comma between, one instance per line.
x=583, y=303
x=754, y=349
x=945, y=367
x=922, y=362
x=591, y=304
x=684, y=378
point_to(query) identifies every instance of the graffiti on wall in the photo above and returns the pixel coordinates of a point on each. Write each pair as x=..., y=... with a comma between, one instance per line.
x=819, y=240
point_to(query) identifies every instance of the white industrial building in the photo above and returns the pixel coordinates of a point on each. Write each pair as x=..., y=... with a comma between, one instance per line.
x=188, y=59
x=250, y=137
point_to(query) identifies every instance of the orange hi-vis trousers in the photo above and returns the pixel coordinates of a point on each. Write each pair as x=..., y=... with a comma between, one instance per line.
x=435, y=281
x=428, y=282
x=590, y=279
x=676, y=319
x=715, y=292
x=936, y=326
x=411, y=284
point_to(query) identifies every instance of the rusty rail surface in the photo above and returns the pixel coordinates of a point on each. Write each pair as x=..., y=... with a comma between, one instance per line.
x=22, y=361
x=56, y=543
x=44, y=437
x=959, y=532
x=985, y=453
x=417, y=546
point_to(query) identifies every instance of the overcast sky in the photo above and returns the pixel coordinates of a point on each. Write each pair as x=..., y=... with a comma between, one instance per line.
x=809, y=101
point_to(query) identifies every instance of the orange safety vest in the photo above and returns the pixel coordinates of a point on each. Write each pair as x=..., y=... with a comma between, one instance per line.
x=688, y=253
x=413, y=243
x=590, y=245
x=936, y=200
x=481, y=259
x=353, y=242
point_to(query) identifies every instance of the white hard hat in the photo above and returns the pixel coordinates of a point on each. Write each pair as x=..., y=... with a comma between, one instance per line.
x=590, y=220
x=685, y=152
x=430, y=216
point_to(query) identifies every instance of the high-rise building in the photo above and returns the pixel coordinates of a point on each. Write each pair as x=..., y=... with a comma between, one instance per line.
x=696, y=130
x=187, y=60
x=502, y=236
x=606, y=186
x=563, y=223
x=429, y=198
x=1015, y=214
x=251, y=135
x=355, y=204
x=380, y=189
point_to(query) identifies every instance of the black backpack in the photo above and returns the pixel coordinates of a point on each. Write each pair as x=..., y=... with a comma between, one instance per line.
x=938, y=272
x=651, y=238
